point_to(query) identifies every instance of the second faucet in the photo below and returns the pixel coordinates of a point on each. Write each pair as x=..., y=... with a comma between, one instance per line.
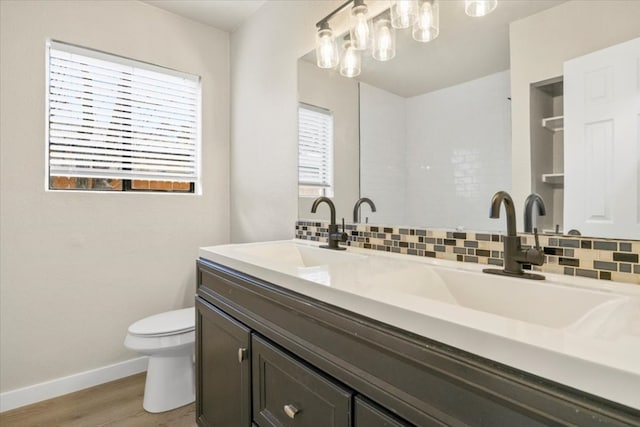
x=356, y=208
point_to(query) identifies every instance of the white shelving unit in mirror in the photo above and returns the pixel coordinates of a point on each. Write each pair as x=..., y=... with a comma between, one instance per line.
x=554, y=124
x=547, y=148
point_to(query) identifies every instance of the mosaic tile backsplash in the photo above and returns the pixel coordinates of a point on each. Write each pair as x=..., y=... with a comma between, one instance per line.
x=597, y=258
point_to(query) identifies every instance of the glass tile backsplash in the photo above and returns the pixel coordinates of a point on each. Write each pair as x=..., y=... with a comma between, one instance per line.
x=597, y=258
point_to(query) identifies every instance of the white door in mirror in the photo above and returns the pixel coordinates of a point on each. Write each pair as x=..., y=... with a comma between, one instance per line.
x=602, y=142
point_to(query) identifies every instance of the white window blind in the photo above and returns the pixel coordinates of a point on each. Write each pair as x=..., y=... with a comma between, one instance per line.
x=315, y=147
x=111, y=117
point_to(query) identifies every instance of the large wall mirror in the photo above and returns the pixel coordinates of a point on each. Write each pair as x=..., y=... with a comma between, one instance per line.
x=433, y=133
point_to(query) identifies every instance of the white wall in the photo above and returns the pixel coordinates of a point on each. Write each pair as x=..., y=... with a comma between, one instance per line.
x=383, y=154
x=540, y=44
x=339, y=95
x=78, y=268
x=459, y=153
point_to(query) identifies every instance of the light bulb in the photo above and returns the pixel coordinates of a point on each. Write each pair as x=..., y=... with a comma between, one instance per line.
x=360, y=31
x=326, y=49
x=404, y=13
x=477, y=8
x=427, y=26
x=384, y=40
x=350, y=63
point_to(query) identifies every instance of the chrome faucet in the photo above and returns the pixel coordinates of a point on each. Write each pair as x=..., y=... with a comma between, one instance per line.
x=334, y=236
x=356, y=208
x=532, y=199
x=514, y=254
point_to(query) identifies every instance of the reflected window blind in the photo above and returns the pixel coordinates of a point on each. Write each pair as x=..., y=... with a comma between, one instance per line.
x=315, y=146
x=111, y=117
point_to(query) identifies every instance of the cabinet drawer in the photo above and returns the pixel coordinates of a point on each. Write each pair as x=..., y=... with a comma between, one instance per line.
x=288, y=393
x=368, y=414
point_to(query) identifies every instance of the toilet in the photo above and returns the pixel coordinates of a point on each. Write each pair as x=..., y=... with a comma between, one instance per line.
x=169, y=341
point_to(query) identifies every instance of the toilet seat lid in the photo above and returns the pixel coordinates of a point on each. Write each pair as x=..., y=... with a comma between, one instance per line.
x=168, y=323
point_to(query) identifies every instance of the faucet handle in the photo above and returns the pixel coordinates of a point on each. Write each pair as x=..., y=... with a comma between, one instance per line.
x=535, y=255
x=343, y=236
x=535, y=236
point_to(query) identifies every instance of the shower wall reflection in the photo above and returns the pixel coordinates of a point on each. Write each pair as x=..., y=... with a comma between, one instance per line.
x=436, y=158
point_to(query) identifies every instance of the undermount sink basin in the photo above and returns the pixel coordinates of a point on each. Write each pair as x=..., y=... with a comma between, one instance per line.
x=296, y=255
x=548, y=304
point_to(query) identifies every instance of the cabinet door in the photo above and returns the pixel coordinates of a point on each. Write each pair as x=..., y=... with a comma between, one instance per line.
x=368, y=414
x=223, y=390
x=288, y=393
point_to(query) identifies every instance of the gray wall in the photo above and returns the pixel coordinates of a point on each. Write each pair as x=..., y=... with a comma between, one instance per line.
x=264, y=150
x=78, y=268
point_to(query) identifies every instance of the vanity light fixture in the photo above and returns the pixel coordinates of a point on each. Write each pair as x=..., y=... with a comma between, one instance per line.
x=378, y=34
x=477, y=8
x=350, y=61
x=403, y=13
x=360, y=25
x=326, y=48
x=384, y=39
x=427, y=26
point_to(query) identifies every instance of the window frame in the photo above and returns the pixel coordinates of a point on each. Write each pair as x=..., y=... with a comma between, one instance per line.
x=310, y=190
x=195, y=187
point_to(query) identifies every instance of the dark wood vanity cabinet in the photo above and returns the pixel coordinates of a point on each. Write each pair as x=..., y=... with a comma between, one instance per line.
x=309, y=363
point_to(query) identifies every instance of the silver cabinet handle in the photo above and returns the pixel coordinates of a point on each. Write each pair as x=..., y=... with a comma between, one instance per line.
x=242, y=354
x=291, y=410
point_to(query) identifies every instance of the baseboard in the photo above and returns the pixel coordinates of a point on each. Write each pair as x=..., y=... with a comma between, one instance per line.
x=65, y=385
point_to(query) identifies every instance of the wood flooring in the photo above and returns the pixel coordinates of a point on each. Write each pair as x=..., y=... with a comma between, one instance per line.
x=114, y=404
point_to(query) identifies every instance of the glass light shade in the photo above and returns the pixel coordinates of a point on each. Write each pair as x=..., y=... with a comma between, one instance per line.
x=403, y=13
x=478, y=8
x=350, y=63
x=326, y=49
x=384, y=40
x=427, y=26
x=360, y=27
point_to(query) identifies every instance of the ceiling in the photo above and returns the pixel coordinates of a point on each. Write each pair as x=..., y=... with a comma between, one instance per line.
x=225, y=15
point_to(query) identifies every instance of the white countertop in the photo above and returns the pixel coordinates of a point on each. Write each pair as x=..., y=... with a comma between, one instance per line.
x=599, y=354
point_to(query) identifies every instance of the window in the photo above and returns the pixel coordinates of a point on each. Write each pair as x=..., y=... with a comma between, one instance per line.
x=120, y=125
x=315, y=151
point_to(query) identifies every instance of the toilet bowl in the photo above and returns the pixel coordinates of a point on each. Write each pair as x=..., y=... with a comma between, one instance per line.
x=169, y=341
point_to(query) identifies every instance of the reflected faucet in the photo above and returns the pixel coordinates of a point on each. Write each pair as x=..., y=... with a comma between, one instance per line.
x=532, y=199
x=514, y=254
x=334, y=236
x=356, y=208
